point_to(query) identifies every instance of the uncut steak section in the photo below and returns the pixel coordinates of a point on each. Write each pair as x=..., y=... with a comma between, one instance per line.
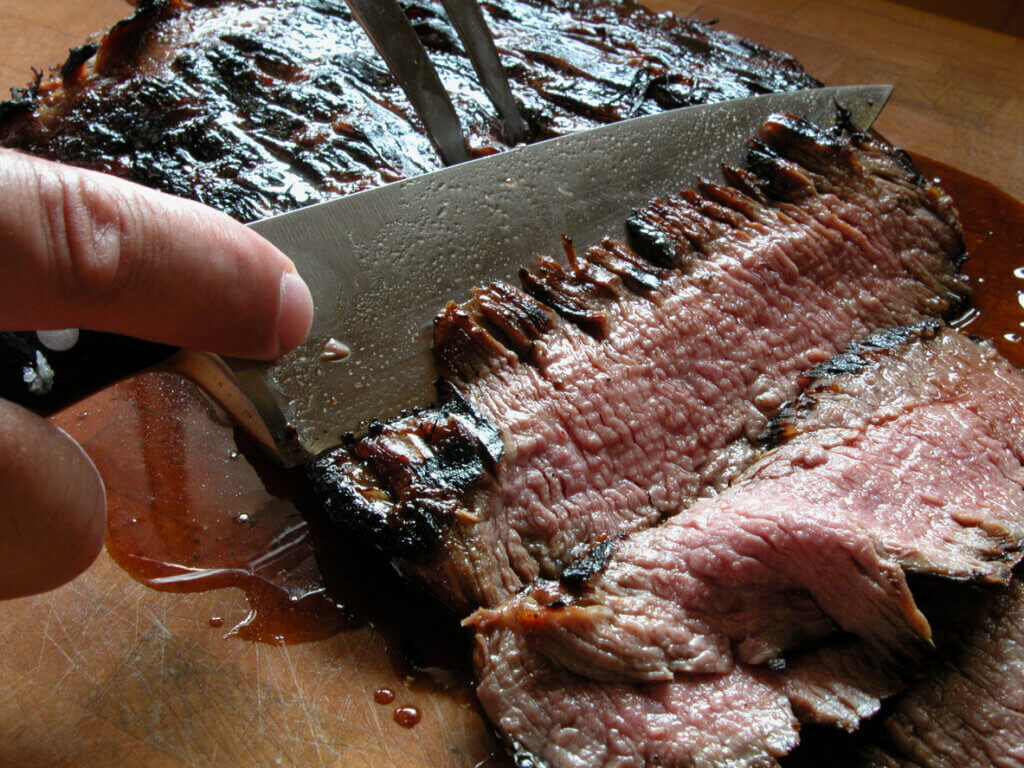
x=612, y=393
x=258, y=107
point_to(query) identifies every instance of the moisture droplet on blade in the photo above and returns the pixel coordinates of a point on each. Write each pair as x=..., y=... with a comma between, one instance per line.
x=335, y=351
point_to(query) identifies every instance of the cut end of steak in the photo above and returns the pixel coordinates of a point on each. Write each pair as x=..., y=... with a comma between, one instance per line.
x=257, y=108
x=627, y=382
x=903, y=456
x=431, y=457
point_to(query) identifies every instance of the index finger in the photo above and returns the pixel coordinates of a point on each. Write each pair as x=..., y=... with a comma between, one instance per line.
x=83, y=249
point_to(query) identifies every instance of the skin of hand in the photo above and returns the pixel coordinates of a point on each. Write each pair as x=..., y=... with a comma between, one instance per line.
x=82, y=249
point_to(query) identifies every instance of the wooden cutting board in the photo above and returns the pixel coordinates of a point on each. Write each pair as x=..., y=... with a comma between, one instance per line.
x=107, y=671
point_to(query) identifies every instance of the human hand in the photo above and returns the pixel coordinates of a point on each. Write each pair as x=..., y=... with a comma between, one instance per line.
x=81, y=249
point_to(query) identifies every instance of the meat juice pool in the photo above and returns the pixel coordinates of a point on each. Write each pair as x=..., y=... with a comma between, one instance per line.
x=994, y=231
x=196, y=508
x=193, y=507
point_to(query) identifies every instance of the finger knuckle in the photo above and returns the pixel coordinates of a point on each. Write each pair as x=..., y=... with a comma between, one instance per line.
x=86, y=232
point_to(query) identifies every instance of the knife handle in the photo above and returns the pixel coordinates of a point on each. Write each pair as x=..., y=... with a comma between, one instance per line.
x=46, y=371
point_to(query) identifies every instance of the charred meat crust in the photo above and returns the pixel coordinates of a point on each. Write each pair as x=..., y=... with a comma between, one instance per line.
x=257, y=108
x=430, y=459
x=590, y=564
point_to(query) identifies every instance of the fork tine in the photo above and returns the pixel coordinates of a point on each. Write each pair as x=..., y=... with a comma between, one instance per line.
x=394, y=38
x=469, y=22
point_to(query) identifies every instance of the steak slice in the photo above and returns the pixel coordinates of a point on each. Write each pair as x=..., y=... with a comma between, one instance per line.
x=969, y=711
x=625, y=386
x=839, y=684
x=950, y=402
x=560, y=719
x=260, y=107
x=904, y=455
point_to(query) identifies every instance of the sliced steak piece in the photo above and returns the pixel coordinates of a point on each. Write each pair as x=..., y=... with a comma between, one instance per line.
x=624, y=387
x=259, y=107
x=882, y=435
x=838, y=685
x=748, y=576
x=566, y=720
x=969, y=711
x=903, y=455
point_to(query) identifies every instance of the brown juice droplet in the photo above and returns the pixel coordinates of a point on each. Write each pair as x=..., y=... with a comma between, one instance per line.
x=407, y=717
x=216, y=621
x=335, y=351
x=383, y=695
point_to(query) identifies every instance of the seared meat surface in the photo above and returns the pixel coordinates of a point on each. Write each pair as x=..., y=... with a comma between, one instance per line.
x=260, y=107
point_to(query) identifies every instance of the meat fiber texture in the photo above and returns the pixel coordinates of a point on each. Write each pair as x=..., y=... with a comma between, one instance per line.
x=626, y=386
x=261, y=107
x=785, y=597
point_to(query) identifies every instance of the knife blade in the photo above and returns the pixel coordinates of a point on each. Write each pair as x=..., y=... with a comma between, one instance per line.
x=383, y=262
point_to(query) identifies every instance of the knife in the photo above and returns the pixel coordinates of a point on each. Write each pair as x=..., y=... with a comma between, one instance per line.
x=382, y=263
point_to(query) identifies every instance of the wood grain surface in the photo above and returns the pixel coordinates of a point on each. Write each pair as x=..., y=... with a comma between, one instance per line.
x=109, y=672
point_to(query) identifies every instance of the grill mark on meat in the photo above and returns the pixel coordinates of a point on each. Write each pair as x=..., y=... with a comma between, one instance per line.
x=663, y=611
x=570, y=292
x=633, y=401
x=577, y=574
x=431, y=457
x=259, y=108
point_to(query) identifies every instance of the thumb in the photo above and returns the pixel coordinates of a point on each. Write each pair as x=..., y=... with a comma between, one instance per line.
x=52, y=505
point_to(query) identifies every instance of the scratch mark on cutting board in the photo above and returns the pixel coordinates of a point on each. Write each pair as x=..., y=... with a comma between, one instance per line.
x=311, y=721
x=259, y=689
x=74, y=664
x=46, y=636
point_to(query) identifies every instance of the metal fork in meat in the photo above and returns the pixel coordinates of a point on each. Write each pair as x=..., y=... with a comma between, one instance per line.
x=388, y=27
x=468, y=20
